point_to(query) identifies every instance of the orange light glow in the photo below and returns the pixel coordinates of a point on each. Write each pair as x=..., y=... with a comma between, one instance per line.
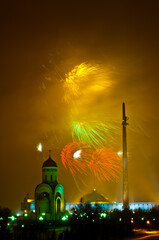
x=30, y=200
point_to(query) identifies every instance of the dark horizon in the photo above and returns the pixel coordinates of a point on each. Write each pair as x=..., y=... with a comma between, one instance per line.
x=41, y=42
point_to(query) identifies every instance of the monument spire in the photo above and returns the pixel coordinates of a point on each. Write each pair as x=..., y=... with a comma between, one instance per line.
x=125, y=167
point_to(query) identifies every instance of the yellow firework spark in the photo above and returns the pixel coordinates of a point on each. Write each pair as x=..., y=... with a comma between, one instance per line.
x=85, y=79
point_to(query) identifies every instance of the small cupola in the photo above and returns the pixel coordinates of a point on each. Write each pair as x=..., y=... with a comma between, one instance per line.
x=49, y=171
x=49, y=162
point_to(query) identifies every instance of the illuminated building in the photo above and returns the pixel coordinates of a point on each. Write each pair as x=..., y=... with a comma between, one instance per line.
x=49, y=195
x=115, y=205
x=94, y=197
x=28, y=205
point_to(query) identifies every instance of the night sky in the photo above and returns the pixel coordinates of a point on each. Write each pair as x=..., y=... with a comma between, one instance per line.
x=41, y=42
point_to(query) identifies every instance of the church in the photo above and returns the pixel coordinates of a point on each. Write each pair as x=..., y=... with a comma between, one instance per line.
x=49, y=202
x=49, y=195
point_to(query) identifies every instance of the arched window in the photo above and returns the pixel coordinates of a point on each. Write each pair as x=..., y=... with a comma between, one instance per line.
x=58, y=205
x=58, y=202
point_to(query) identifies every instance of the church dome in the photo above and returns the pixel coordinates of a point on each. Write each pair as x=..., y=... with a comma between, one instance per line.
x=49, y=162
x=94, y=197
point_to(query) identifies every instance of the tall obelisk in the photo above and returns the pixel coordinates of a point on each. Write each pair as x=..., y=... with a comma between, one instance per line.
x=125, y=166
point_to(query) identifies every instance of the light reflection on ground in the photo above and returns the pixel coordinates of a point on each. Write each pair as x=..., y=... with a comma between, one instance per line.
x=145, y=234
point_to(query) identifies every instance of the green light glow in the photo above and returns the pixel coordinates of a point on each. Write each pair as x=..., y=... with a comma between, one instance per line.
x=103, y=215
x=41, y=218
x=1, y=218
x=12, y=218
x=25, y=215
x=64, y=218
x=142, y=218
x=43, y=214
x=22, y=226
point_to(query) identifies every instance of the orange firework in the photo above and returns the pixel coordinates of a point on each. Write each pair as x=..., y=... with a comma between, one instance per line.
x=76, y=157
x=105, y=164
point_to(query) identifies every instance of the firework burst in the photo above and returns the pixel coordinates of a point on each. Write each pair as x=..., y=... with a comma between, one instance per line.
x=105, y=164
x=76, y=157
x=95, y=135
x=85, y=79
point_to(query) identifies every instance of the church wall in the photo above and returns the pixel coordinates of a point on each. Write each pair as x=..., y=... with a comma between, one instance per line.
x=44, y=205
x=49, y=174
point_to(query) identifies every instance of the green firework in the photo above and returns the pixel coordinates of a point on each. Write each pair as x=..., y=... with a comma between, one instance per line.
x=92, y=134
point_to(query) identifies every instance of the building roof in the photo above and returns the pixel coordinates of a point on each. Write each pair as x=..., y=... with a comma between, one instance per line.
x=49, y=163
x=94, y=197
